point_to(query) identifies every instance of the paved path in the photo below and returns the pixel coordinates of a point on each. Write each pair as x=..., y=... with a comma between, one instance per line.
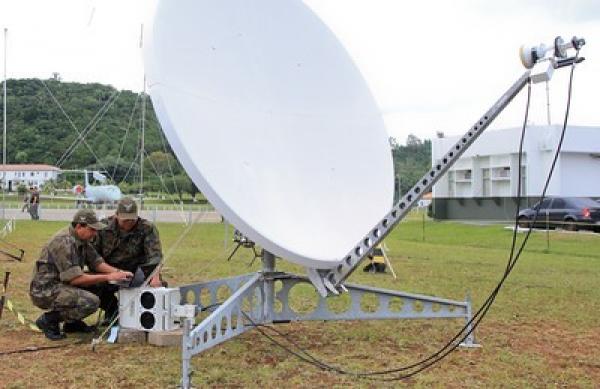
x=153, y=215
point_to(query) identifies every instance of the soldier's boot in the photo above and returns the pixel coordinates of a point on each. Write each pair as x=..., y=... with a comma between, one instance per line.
x=49, y=323
x=77, y=326
x=111, y=309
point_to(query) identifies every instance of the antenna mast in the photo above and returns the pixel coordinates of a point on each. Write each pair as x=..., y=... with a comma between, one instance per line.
x=143, y=129
x=4, y=130
x=142, y=146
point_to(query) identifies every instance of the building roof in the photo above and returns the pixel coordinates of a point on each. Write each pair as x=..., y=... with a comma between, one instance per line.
x=27, y=167
x=579, y=139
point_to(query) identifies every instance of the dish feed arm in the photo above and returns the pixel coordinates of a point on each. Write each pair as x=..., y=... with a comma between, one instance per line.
x=330, y=280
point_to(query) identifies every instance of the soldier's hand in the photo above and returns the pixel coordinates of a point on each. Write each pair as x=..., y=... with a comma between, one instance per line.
x=120, y=276
x=155, y=282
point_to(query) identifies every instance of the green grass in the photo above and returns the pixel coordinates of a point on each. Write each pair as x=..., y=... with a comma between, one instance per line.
x=543, y=330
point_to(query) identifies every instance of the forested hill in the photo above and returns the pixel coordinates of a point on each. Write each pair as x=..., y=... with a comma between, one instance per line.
x=38, y=131
x=45, y=118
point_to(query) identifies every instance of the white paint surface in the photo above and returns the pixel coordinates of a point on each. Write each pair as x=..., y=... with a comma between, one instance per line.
x=577, y=171
x=273, y=122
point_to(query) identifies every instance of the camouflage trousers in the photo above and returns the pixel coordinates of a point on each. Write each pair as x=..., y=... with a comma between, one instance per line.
x=71, y=302
x=33, y=211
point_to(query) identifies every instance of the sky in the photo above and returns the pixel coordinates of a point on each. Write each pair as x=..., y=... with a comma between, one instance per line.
x=431, y=65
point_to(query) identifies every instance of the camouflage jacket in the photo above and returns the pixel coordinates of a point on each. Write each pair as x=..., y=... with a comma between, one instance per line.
x=62, y=259
x=139, y=247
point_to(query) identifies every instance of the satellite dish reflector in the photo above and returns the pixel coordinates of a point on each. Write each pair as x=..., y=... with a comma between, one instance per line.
x=273, y=122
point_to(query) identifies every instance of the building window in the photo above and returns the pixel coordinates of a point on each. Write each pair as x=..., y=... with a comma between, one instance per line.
x=32, y=174
x=501, y=173
x=463, y=175
x=486, y=182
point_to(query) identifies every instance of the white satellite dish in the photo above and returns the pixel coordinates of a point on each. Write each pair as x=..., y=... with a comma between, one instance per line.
x=273, y=122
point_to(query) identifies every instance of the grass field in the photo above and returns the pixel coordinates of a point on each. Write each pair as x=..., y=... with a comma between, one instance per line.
x=543, y=330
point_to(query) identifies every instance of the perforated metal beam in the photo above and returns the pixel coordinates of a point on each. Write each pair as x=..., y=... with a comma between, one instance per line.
x=227, y=321
x=387, y=304
x=332, y=279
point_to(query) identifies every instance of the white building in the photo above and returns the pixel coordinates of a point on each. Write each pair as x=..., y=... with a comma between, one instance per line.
x=482, y=184
x=27, y=174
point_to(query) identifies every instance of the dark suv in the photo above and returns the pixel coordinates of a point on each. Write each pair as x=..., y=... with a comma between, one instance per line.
x=570, y=213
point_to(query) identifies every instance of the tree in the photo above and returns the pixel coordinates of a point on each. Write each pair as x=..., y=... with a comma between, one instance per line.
x=21, y=157
x=411, y=161
x=180, y=184
x=21, y=190
x=160, y=163
x=413, y=140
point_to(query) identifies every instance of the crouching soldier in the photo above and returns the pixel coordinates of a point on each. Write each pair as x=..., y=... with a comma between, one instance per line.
x=131, y=243
x=61, y=287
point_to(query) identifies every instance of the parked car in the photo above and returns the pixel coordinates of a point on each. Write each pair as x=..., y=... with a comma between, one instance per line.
x=570, y=213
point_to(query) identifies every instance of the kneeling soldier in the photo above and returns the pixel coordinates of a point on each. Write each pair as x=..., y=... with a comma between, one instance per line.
x=131, y=243
x=59, y=282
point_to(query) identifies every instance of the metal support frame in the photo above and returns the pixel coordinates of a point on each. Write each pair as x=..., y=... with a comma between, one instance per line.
x=264, y=298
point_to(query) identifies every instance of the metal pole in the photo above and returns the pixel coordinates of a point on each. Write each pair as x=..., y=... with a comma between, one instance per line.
x=4, y=131
x=423, y=226
x=387, y=261
x=186, y=356
x=142, y=146
x=470, y=339
x=548, y=102
x=268, y=261
x=143, y=128
x=547, y=231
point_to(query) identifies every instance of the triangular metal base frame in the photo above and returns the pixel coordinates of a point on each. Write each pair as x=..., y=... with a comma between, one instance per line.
x=263, y=298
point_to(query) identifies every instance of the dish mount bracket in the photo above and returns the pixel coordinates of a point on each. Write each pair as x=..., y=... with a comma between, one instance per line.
x=265, y=298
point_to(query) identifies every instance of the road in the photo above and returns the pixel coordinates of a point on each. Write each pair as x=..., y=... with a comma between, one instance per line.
x=161, y=216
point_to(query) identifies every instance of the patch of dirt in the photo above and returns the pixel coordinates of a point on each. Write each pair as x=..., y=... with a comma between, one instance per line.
x=562, y=347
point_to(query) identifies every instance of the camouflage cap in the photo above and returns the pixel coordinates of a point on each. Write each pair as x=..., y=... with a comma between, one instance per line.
x=127, y=209
x=88, y=217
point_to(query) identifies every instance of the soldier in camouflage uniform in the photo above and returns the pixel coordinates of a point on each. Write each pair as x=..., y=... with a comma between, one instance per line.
x=129, y=242
x=59, y=280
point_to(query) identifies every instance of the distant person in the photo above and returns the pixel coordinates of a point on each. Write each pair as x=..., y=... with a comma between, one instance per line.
x=34, y=203
x=61, y=287
x=131, y=243
x=26, y=198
